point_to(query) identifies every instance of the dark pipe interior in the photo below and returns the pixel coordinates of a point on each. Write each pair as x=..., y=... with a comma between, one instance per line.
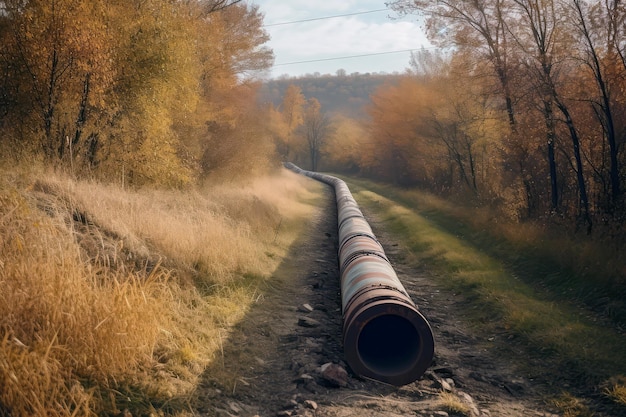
x=389, y=345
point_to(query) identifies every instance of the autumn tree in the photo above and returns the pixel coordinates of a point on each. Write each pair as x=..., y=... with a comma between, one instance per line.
x=478, y=31
x=534, y=49
x=344, y=152
x=156, y=82
x=242, y=149
x=231, y=50
x=138, y=90
x=478, y=25
x=544, y=42
x=537, y=35
x=60, y=58
x=599, y=26
x=316, y=129
x=292, y=113
x=397, y=151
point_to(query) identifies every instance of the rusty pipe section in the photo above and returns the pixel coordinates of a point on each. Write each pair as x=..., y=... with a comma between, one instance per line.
x=385, y=337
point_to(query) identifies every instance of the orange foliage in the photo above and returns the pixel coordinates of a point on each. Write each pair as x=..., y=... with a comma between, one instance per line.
x=398, y=133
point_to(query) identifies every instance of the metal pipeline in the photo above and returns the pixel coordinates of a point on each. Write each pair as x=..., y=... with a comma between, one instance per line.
x=385, y=337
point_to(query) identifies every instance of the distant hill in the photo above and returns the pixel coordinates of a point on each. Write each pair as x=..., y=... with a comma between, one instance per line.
x=345, y=94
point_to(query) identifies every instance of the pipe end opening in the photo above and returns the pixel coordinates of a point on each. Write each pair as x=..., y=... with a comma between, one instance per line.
x=387, y=345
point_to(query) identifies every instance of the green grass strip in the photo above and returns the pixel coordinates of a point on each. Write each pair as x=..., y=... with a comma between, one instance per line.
x=547, y=327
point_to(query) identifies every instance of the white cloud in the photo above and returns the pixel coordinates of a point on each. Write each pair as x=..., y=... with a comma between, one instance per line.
x=361, y=34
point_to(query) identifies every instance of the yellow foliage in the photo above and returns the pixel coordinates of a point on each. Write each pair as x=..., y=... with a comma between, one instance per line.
x=399, y=113
x=437, y=133
x=128, y=89
x=343, y=149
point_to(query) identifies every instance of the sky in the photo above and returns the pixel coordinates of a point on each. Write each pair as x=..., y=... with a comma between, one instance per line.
x=379, y=32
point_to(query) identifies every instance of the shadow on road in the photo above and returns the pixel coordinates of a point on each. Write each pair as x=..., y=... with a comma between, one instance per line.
x=270, y=359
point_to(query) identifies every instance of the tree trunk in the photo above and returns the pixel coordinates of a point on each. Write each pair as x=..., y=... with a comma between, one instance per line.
x=580, y=177
x=551, y=136
x=607, y=123
x=82, y=112
x=50, y=103
x=470, y=158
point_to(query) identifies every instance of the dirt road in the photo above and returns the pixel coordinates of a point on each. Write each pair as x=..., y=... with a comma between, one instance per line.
x=271, y=362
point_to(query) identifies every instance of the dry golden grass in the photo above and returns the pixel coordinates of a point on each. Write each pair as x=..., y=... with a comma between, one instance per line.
x=571, y=406
x=453, y=404
x=616, y=389
x=113, y=299
x=218, y=233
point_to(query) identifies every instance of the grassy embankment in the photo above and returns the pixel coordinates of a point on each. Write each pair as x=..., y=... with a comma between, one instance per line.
x=560, y=300
x=113, y=299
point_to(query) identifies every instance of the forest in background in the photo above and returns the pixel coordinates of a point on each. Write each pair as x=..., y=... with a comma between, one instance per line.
x=338, y=94
x=528, y=112
x=523, y=109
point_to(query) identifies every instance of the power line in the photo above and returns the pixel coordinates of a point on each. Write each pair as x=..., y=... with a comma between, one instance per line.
x=349, y=56
x=326, y=17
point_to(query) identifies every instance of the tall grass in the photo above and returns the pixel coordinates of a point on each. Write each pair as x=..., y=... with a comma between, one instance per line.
x=113, y=299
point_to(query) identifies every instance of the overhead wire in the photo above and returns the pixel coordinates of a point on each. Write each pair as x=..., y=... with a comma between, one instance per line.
x=351, y=56
x=325, y=17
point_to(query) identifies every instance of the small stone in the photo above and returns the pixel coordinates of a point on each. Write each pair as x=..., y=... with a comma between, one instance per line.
x=234, y=407
x=334, y=374
x=441, y=413
x=310, y=404
x=308, y=322
x=467, y=399
x=304, y=378
x=444, y=371
x=222, y=413
x=441, y=384
x=313, y=345
x=477, y=376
